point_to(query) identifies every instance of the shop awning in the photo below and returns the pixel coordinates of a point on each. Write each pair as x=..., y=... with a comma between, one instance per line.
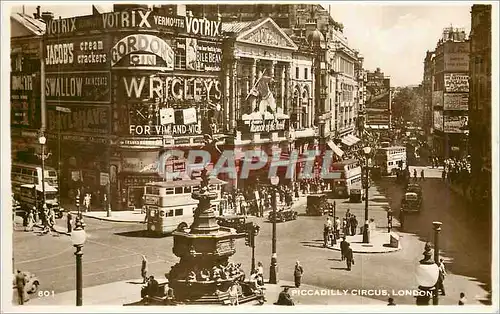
x=354, y=139
x=335, y=149
x=347, y=141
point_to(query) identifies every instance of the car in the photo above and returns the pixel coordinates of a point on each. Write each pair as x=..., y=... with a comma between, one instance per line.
x=282, y=215
x=411, y=202
x=414, y=188
x=31, y=282
x=317, y=205
x=356, y=195
x=233, y=221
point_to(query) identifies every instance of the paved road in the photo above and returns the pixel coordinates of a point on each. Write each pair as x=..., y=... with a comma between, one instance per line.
x=113, y=250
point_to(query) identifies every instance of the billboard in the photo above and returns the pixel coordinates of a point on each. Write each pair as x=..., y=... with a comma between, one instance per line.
x=456, y=83
x=200, y=55
x=81, y=119
x=438, y=120
x=88, y=53
x=456, y=56
x=378, y=93
x=437, y=98
x=81, y=87
x=456, y=124
x=456, y=101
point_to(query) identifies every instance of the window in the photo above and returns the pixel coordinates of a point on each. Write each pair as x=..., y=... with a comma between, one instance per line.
x=187, y=189
x=169, y=213
x=169, y=191
x=296, y=72
x=178, y=190
x=178, y=212
x=306, y=70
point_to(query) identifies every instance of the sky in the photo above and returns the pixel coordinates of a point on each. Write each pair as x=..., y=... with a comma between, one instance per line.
x=393, y=36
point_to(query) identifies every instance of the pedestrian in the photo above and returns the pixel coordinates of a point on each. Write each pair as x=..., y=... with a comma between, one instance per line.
x=284, y=298
x=442, y=275
x=415, y=174
x=337, y=224
x=326, y=230
x=354, y=225
x=462, y=299
x=343, y=248
x=152, y=287
x=443, y=175
x=345, y=229
x=391, y=301
x=296, y=189
x=20, y=285
x=144, y=269
x=349, y=257
x=69, y=221
x=297, y=274
x=30, y=221
x=260, y=273
x=422, y=174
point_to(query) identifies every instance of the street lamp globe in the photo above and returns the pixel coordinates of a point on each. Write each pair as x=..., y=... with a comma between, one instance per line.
x=367, y=150
x=78, y=236
x=427, y=273
x=275, y=180
x=42, y=140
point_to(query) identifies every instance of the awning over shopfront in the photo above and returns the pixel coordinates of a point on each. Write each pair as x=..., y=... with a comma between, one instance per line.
x=346, y=140
x=335, y=149
x=354, y=139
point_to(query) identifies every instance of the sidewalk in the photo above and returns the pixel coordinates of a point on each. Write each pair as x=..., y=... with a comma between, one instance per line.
x=129, y=291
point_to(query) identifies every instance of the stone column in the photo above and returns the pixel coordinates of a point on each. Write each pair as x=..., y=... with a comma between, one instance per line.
x=287, y=99
x=236, y=102
x=253, y=78
x=283, y=90
x=273, y=68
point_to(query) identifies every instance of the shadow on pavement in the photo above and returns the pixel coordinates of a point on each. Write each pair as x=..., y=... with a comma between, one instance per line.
x=465, y=235
x=140, y=234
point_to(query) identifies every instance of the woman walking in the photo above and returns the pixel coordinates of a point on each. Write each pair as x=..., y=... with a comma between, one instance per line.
x=297, y=274
x=144, y=269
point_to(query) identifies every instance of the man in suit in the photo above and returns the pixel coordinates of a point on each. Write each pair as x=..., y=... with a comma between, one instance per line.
x=20, y=283
x=344, y=245
x=349, y=257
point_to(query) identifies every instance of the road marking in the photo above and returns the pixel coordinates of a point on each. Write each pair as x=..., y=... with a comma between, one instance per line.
x=45, y=257
x=86, y=262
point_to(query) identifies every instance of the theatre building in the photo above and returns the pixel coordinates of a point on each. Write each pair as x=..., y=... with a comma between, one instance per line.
x=260, y=58
x=123, y=86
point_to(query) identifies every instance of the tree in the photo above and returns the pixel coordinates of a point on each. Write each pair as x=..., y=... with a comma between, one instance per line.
x=408, y=105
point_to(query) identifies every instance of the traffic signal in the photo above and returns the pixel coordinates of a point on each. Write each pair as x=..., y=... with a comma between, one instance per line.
x=248, y=239
x=77, y=200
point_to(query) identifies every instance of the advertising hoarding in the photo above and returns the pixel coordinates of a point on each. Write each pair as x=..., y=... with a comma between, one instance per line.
x=89, y=53
x=134, y=20
x=456, y=62
x=438, y=120
x=81, y=87
x=456, y=124
x=377, y=118
x=200, y=55
x=82, y=119
x=437, y=98
x=23, y=106
x=456, y=101
x=456, y=83
x=378, y=93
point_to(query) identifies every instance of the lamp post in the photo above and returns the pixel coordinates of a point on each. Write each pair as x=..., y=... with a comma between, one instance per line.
x=273, y=269
x=42, y=140
x=427, y=275
x=78, y=237
x=437, y=228
x=366, y=234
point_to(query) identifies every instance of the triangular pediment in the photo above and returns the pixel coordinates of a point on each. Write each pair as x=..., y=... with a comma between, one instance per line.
x=267, y=33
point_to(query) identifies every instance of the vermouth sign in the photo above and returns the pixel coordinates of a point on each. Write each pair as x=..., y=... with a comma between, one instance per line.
x=78, y=87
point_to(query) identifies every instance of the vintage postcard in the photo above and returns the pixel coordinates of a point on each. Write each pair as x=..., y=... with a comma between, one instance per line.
x=263, y=156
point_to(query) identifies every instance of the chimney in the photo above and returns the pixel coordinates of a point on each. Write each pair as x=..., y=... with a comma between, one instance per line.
x=47, y=16
x=37, y=14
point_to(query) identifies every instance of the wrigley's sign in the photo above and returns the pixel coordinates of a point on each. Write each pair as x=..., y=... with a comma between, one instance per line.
x=135, y=19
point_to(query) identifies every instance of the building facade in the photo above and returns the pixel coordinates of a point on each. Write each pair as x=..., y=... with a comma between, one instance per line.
x=427, y=84
x=450, y=94
x=378, y=116
x=480, y=95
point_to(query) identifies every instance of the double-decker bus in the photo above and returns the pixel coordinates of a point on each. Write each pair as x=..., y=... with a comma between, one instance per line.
x=346, y=176
x=169, y=205
x=23, y=173
x=390, y=159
